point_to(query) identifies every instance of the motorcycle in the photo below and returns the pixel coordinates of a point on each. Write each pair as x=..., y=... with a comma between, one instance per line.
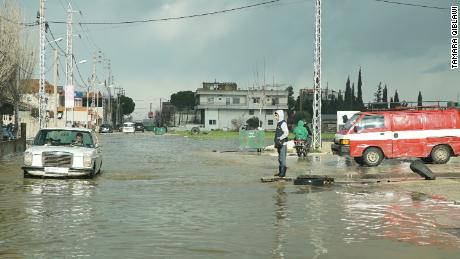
x=302, y=147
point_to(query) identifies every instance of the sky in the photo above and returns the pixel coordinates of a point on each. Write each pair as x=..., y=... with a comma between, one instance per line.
x=407, y=48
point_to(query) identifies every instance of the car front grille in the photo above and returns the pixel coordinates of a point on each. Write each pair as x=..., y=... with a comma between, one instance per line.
x=57, y=159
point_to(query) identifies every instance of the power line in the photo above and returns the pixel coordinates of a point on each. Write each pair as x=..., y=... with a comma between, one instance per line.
x=85, y=31
x=78, y=70
x=175, y=18
x=52, y=35
x=27, y=24
x=413, y=5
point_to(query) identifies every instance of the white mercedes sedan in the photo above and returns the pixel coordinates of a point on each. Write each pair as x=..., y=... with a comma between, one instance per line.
x=63, y=152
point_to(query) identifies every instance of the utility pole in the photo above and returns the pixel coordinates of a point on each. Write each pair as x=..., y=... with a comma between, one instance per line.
x=41, y=100
x=317, y=79
x=161, y=112
x=69, y=64
x=56, y=95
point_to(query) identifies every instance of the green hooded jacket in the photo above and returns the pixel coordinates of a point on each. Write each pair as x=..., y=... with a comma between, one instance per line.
x=300, y=131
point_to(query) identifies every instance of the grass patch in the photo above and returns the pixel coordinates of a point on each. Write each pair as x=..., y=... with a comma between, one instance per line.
x=219, y=134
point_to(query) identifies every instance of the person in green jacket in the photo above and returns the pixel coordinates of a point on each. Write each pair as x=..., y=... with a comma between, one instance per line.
x=300, y=131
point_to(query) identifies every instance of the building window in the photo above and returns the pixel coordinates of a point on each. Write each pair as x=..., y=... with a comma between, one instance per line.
x=236, y=100
x=212, y=122
x=269, y=112
x=251, y=112
x=210, y=100
x=270, y=122
x=256, y=99
x=227, y=101
x=78, y=102
x=275, y=101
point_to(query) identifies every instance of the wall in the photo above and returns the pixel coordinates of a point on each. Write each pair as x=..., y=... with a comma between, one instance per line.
x=17, y=145
x=225, y=117
x=32, y=123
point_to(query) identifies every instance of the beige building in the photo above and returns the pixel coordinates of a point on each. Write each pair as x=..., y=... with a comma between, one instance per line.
x=225, y=106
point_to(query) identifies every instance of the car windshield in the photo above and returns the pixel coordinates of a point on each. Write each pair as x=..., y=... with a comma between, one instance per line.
x=63, y=138
x=351, y=121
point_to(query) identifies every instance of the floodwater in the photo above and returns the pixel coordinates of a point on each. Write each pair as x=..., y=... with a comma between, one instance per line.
x=173, y=197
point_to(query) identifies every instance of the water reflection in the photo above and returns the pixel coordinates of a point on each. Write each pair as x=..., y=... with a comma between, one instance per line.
x=58, y=211
x=281, y=215
x=412, y=218
x=315, y=223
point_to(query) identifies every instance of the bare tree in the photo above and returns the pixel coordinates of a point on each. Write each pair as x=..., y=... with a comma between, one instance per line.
x=17, y=58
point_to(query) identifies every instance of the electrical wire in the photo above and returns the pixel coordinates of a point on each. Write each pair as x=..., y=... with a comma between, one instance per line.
x=52, y=35
x=85, y=31
x=175, y=18
x=78, y=70
x=413, y=5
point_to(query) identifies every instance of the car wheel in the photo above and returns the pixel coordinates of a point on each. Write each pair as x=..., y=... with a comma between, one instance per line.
x=26, y=174
x=372, y=156
x=440, y=154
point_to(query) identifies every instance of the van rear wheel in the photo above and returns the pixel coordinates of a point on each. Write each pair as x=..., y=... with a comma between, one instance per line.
x=440, y=154
x=372, y=156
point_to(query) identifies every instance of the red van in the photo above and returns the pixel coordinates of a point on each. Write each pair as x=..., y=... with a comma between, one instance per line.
x=368, y=137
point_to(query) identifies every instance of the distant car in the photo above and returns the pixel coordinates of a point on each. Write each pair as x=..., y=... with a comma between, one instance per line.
x=119, y=127
x=128, y=127
x=63, y=152
x=138, y=126
x=105, y=128
x=6, y=134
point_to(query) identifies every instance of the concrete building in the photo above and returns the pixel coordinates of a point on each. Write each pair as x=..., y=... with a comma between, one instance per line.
x=224, y=106
x=326, y=94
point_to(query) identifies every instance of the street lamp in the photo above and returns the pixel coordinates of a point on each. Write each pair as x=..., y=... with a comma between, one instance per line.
x=56, y=40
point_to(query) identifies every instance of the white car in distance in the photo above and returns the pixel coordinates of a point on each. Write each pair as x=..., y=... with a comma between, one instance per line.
x=63, y=152
x=128, y=127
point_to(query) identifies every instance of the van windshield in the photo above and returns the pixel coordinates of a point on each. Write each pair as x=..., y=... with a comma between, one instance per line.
x=351, y=121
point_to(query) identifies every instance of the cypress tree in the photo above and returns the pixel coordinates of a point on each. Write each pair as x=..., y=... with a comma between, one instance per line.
x=385, y=97
x=340, y=101
x=378, y=93
x=396, y=99
x=419, y=99
x=347, y=100
x=392, y=105
x=353, y=97
x=359, y=98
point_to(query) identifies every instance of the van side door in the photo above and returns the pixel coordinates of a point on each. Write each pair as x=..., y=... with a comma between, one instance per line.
x=371, y=130
x=407, y=139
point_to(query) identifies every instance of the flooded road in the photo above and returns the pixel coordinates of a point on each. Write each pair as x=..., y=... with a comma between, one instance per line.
x=173, y=197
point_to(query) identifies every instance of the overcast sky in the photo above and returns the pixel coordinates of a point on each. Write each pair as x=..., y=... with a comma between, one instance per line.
x=407, y=48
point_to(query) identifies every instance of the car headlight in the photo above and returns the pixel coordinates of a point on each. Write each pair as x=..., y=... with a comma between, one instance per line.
x=28, y=157
x=345, y=142
x=87, y=161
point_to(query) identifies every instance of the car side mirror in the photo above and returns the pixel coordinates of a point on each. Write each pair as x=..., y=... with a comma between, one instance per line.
x=357, y=129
